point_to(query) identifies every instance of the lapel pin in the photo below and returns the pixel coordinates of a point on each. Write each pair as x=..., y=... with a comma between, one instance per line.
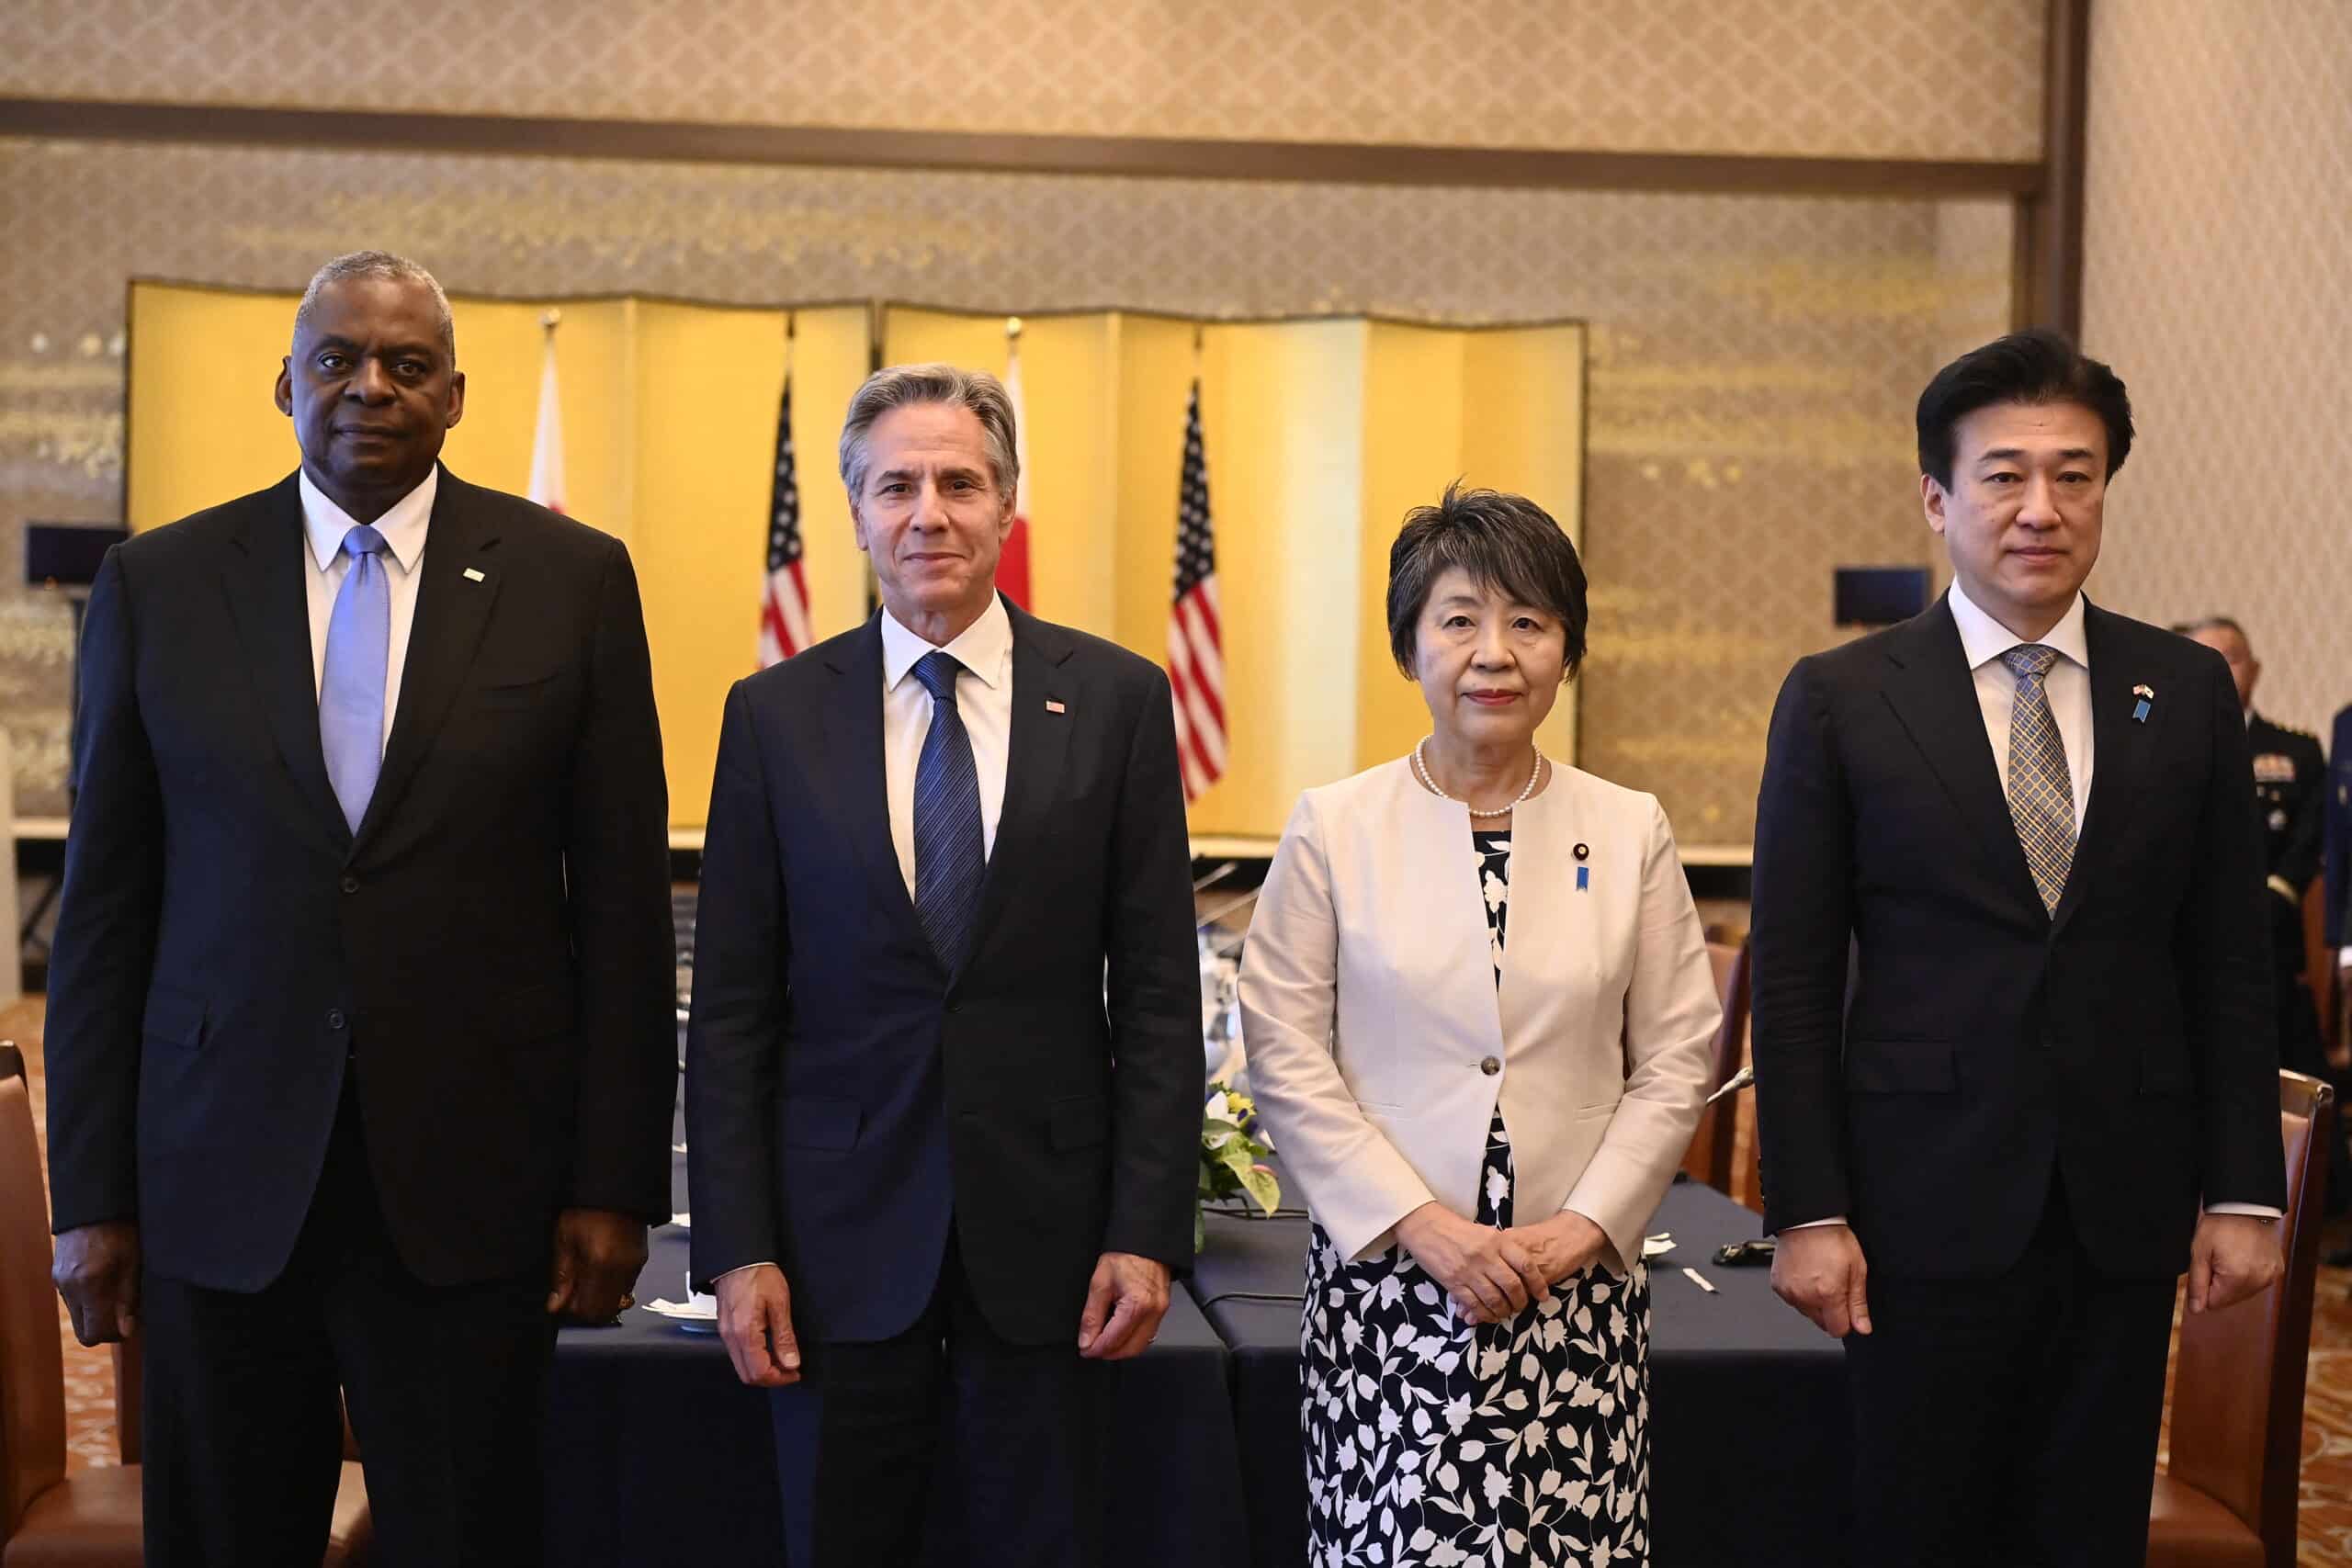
x=2147, y=695
x=1584, y=873
x=1053, y=706
x=473, y=574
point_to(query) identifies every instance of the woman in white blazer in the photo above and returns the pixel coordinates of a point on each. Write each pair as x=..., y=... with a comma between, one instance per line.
x=1481, y=1127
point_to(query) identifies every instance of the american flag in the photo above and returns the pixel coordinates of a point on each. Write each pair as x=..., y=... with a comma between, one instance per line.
x=1195, y=641
x=783, y=608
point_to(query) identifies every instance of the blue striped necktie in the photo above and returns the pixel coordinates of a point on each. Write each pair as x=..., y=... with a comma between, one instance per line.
x=351, y=692
x=950, y=855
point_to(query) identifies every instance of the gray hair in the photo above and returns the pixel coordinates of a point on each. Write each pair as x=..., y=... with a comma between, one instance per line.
x=391, y=269
x=2214, y=624
x=902, y=386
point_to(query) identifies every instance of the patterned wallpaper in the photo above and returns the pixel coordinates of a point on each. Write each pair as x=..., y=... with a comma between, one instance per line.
x=2218, y=282
x=1753, y=359
x=1872, y=78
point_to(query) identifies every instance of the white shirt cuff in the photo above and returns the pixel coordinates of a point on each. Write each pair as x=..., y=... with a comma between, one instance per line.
x=1816, y=1225
x=2259, y=1210
x=741, y=1267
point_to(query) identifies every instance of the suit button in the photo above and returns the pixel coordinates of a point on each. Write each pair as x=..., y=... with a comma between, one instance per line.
x=955, y=1007
x=335, y=1018
x=1490, y=1067
x=350, y=884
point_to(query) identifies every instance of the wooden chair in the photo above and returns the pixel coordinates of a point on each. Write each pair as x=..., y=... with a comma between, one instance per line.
x=2229, y=1497
x=91, y=1517
x=1708, y=1157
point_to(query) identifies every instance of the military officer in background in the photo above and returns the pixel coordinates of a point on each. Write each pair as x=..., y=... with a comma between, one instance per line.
x=2338, y=811
x=2290, y=794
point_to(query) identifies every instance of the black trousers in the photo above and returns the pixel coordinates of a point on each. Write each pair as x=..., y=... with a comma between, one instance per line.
x=949, y=1444
x=2010, y=1420
x=446, y=1388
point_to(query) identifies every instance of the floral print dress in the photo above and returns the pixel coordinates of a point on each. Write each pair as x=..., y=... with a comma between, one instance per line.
x=1431, y=1442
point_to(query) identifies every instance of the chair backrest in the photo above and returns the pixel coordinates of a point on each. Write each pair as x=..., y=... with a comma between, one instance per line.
x=1708, y=1158
x=2237, y=1416
x=32, y=1361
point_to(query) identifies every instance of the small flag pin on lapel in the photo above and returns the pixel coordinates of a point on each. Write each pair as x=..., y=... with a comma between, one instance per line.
x=473, y=574
x=2147, y=695
x=1053, y=706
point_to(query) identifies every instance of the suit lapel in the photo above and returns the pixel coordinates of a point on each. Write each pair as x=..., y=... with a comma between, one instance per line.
x=452, y=608
x=1934, y=696
x=269, y=599
x=860, y=774
x=1035, y=750
x=2119, y=751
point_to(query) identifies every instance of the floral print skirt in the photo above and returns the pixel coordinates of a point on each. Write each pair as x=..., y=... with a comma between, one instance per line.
x=1431, y=1442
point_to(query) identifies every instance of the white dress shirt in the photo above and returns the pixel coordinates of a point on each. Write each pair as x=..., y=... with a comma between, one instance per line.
x=984, y=698
x=1982, y=641
x=323, y=526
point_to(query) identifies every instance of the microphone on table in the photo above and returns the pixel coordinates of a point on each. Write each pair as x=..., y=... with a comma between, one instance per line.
x=1739, y=1080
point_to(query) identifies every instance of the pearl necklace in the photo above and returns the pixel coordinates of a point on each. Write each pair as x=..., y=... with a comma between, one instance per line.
x=1421, y=769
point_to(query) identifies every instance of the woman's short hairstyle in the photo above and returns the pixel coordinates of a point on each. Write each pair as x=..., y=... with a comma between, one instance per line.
x=1508, y=544
x=2035, y=367
x=900, y=386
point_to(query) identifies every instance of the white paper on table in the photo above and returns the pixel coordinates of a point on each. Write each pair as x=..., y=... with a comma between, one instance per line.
x=1658, y=1245
x=683, y=1221
x=687, y=1312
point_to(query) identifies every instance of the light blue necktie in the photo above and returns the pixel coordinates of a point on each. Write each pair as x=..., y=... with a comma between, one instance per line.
x=949, y=853
x=351, y=695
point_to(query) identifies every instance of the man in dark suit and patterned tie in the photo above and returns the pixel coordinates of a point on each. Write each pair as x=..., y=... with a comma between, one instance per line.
x=2054, y=1086
x=360, y=1021
x=943, y=1072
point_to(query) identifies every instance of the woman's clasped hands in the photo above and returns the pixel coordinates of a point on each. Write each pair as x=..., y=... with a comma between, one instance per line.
x=1490, y=1274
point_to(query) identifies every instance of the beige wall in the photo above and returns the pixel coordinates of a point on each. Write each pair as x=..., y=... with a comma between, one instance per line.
x=2219, y=282
x=1869, y=78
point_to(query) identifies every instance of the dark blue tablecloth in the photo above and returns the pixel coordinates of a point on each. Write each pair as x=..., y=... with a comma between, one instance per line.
x=655, y=1454
x=1749, y=1450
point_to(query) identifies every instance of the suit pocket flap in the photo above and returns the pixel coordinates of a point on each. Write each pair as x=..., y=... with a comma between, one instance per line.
x=1901, y=1067
x=537, y=1012
x=1074, y=1123
x=175, y=1017
x=814, y=1122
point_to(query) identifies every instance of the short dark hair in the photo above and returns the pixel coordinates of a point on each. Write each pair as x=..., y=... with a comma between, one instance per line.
x=1506, y=543
x=2035, y=367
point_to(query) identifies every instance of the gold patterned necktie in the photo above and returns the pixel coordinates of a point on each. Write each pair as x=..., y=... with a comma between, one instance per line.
x=2041, y=792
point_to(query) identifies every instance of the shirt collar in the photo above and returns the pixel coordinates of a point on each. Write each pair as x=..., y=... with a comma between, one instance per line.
x=980, y=648
x=402, y=524
x=1983, y=640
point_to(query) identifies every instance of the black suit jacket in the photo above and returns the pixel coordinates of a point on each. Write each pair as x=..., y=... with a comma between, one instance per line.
x=2127, y=1041
x=848, y=1098
x=2338, y=834
x=490, y=952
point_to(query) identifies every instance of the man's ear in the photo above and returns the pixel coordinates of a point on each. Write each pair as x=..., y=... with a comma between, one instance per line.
x=456, y=398
x=1932, y=500
x=284, y=392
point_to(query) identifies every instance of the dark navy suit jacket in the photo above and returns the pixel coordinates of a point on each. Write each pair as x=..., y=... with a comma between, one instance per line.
x=848, y=1099
x=491, y=948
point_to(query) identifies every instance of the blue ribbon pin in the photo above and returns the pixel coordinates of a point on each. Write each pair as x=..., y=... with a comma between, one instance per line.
x=2147, y=695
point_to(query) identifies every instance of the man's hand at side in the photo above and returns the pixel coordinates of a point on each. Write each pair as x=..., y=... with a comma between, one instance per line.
x=755, y=1324
x=1125, y=1302
x=1819, y=1270
x=2231, y=1257
x=96, y=1270
x=597, y=1256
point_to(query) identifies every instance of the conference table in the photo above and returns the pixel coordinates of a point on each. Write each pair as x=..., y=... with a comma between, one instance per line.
x=656, y=1454
x=1749, y=1448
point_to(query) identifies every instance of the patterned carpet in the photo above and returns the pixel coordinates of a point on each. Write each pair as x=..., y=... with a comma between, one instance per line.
x=2326, y=1519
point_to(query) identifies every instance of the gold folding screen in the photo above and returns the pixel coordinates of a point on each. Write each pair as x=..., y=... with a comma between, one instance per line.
x=1319, y=435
